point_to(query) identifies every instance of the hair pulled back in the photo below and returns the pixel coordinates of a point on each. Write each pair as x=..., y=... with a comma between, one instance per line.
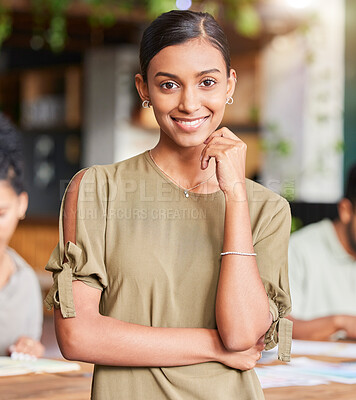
x=176, y=27
x=11, y=167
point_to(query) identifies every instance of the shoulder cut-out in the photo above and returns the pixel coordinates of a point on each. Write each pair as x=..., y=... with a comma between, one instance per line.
x=70, y=208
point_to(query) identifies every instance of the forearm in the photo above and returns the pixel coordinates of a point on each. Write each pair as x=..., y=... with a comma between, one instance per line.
x=107, y=341
x=314, y=329
x=242, y=308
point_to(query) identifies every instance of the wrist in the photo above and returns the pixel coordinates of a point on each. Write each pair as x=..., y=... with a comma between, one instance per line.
x=236, y=193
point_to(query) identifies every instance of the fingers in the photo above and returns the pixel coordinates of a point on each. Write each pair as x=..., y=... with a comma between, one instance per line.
x=24, y=345
x=29, y=346
x=259, y=354
x=223, y=149
x=223, y=132
x=38, y=350
x=252, y=361
x=218, y=144
x=214, y=150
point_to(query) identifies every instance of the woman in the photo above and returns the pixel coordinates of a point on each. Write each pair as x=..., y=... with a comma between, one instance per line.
x=20, y=294
x=142, y=241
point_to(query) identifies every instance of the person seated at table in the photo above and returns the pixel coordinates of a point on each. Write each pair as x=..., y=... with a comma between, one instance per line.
x=21, y=310
x=322, y=273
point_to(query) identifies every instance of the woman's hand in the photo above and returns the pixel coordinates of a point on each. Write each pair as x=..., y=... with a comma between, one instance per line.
x=230, y=156
x=346, y=323
x=28, y=346
x=242, y=360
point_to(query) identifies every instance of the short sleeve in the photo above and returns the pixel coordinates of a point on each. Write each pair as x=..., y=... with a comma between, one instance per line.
x=271, y=248
x=86, y=257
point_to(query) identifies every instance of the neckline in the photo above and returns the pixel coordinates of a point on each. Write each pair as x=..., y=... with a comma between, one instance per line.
x=191, y=194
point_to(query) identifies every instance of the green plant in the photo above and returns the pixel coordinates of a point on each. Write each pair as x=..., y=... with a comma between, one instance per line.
x=296, y=224
x=5, y=24
x=50, y=16
x=276, y=144
x=248, y=21
x=54, y=32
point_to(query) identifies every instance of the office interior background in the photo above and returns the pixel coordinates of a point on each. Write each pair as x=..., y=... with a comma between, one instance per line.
x=67, y=81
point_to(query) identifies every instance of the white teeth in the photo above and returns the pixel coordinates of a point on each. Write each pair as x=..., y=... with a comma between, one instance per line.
x=191, y=123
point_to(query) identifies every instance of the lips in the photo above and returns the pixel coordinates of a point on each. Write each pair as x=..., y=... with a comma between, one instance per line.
x=189, y=124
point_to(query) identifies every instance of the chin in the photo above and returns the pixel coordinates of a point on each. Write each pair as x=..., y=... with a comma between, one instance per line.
x=190, y=142
x=183, y=139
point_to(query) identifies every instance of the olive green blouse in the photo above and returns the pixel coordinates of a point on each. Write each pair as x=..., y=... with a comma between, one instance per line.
x=155, y=254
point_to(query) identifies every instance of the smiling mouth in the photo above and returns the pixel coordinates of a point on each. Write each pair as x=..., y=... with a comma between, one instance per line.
x=194, y=123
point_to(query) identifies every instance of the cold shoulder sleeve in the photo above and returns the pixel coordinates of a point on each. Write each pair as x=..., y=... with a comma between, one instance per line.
x=272, y=260
x=85, y=259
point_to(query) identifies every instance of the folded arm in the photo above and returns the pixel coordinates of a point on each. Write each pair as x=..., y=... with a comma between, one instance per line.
x=92, y=337
x=242, y=307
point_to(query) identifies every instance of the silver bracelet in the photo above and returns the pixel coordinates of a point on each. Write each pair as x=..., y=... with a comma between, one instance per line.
x=238, y=253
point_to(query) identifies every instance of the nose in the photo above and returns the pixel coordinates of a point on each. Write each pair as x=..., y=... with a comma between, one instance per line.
x=189, y=101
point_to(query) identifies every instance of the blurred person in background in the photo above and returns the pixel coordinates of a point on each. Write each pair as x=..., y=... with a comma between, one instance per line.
x=21, y=311
x=322, y=273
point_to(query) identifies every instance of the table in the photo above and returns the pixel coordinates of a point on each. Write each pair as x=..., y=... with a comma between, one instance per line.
x=331, y=391
x=76, y=386
x=73, y=385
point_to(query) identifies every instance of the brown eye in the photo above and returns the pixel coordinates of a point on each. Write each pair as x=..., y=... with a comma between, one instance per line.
x=169, y=85
x=208, y=83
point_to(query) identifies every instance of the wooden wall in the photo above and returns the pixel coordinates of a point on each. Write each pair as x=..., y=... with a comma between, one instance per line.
x=34, y=240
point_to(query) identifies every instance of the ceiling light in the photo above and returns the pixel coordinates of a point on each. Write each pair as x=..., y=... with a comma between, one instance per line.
x=183, y=4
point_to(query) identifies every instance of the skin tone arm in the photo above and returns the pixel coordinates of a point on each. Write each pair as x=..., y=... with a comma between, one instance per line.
x=92, y=337
x=242, y=307
x=324, y=327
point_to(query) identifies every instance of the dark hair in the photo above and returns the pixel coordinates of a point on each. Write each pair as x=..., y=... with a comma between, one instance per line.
x=176, y=27
x=350, y=192
x=11, y=168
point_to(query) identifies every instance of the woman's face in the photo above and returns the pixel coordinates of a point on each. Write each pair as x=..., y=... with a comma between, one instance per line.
x=187, y=85
x=12, y=208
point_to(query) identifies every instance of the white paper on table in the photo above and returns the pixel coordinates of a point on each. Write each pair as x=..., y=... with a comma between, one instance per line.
x=10, y=367
x=269, y=356
x=303, y=371
x=335, y=372
x=283, y=375
x=330, y=349
x=313, y=348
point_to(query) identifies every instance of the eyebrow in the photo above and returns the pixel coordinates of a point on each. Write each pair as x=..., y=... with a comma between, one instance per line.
x=208, y=71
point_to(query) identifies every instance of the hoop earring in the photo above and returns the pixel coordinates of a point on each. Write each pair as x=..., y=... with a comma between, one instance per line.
x=146, y=104
x=230, y=100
